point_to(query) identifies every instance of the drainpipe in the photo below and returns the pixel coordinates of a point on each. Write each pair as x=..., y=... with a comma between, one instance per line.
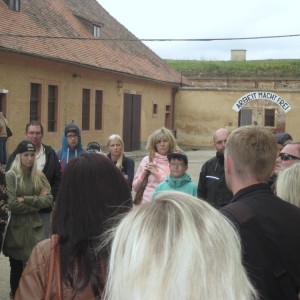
x=174, y=92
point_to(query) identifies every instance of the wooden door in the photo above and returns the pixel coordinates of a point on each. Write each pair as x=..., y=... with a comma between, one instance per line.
x=132, y=122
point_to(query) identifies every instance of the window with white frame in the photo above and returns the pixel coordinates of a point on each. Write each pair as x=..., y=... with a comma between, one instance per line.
x=97, y=31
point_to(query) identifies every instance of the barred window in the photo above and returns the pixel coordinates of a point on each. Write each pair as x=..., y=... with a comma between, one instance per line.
x=86, y=109
x=98, y=110
x=245, y=117
x=35, y=101
x=270, y=117
x=52, y=107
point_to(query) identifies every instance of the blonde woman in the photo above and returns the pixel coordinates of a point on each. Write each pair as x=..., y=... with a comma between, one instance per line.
x=28, y=191
x=176, y=247
x=288, y=184
x=160, y=143
x=115, y=146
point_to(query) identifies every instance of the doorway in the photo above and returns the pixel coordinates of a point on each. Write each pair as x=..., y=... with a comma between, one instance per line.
x=132, y=122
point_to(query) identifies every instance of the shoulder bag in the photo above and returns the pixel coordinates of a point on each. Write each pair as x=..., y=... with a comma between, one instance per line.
x=139, y=193
x=8, y=131
x=5, y=214
x=54, y=270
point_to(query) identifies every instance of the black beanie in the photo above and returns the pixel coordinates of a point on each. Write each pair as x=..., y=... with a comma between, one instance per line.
x=72, y=128
x=25, y=146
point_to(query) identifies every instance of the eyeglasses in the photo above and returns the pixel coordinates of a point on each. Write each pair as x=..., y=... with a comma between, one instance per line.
x=34, y=133
x=174, y=165
x=72, y=136
x=285, y=156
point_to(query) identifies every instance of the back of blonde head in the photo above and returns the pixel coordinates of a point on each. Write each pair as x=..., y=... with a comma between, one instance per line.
x=288, y=184
x=177, y=247
x=253, y=150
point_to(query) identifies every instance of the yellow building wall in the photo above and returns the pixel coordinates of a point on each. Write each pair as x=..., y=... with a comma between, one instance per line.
x=200, y=112
x=17, y=72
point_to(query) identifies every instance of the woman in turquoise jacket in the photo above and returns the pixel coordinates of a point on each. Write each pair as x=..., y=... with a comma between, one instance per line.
x=28, y=191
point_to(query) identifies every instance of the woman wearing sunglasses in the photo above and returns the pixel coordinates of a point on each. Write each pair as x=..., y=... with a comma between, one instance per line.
x=288, y=156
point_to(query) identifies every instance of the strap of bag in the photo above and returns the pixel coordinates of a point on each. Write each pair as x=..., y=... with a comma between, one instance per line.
x=8, y=217
x=59, y=295
x=54, y=264
x=139, y=194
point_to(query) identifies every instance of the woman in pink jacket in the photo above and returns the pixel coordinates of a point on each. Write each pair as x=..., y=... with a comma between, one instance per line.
x=160, y=143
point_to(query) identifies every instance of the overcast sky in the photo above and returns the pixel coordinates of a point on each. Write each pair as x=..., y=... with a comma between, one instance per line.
x=200, y=19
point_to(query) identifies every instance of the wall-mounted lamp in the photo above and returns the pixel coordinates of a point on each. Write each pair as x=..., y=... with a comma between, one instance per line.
x=119, y=87
x=119, y=84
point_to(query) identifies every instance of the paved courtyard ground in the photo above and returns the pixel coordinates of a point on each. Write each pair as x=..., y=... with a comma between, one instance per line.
x=196, y=160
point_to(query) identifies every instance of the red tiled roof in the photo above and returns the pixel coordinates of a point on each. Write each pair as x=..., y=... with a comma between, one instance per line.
x=62, y=30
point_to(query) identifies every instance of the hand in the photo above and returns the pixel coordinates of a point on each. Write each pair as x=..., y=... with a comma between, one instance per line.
x=150, y=167
x=44, y=192
x=20, y=199
x=126, y=177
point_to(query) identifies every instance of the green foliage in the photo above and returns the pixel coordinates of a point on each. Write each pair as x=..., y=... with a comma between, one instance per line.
x=286, y=68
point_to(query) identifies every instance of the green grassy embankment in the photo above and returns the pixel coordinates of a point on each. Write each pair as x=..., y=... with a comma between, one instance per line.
x=285, y=68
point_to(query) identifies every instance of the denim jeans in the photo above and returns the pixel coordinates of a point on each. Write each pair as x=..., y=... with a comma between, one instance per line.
x=16, y=269
x=3, y=154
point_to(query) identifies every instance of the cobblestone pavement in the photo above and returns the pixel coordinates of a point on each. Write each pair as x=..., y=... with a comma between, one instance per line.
x=196, y=160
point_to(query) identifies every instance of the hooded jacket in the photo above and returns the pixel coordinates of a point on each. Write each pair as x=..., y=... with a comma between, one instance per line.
x=65, y=153
x=183, y=184
x=25, y=228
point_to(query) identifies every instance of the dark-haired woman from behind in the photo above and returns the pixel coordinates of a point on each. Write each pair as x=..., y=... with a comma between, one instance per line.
x=92, y=191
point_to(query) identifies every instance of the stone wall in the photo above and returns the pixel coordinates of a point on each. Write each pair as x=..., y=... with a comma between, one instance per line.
x=199, y=111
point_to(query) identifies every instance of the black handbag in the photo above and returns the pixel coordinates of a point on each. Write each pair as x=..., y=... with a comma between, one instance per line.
x=8, y=131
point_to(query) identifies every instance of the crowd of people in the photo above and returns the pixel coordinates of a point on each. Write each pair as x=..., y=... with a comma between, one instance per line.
x=153, y=233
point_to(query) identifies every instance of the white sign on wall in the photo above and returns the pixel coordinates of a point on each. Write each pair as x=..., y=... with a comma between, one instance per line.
x=261, y=95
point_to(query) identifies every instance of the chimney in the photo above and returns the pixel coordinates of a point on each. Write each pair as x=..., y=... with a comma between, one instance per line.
x=238, y=55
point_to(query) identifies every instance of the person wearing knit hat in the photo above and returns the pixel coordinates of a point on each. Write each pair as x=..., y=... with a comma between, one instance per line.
x=25, y=146
x=72, y=128
x=46, y=161
x=71, y=145
x=28, y=191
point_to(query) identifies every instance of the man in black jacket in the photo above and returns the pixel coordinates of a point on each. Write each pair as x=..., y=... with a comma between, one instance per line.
x=47, y=162
x=268, y=226
x=212, y=186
